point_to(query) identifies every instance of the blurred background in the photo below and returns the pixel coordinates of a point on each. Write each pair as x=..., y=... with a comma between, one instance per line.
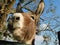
x=49, y=24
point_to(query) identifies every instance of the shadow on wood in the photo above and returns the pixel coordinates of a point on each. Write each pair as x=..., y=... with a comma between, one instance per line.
x=2, y=42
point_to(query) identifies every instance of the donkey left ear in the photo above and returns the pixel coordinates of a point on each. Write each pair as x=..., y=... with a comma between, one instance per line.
x=40, y=8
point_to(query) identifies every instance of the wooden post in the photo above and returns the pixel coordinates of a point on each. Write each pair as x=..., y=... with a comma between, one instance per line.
x=59, y=37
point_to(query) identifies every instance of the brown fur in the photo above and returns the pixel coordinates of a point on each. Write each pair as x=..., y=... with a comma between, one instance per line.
x=27, y=33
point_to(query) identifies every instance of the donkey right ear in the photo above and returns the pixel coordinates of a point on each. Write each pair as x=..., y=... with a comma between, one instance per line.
x=40, y=8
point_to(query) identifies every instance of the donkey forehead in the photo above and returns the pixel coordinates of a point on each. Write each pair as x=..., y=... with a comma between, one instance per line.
x=23, y=14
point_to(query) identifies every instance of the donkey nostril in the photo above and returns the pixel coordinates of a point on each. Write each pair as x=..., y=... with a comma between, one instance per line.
x=17, y=18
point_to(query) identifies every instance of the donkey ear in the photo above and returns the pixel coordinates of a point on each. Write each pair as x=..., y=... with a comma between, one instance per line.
x=40, y=8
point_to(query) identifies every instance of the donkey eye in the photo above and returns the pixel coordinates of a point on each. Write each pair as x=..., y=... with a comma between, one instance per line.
x=17, y=18
x=32, y=17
